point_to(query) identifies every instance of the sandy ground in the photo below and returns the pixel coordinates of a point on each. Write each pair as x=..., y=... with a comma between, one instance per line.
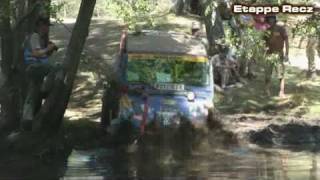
x=298, y=56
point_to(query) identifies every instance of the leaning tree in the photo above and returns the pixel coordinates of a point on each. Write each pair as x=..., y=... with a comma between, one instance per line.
x=16, y=20
x=212, y=12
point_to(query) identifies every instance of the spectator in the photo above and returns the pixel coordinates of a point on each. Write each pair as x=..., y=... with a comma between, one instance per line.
x=277, y=43
x=259, y=22
x=225, y=66
x=36, y=53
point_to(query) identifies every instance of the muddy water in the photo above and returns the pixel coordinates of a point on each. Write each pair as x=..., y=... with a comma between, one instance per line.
x=221, y=164
x=242, y=163
x=207, y=162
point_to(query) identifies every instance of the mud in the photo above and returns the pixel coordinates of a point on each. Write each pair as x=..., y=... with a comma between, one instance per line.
x=220, y=155
x=298, y=135
x=218, y=133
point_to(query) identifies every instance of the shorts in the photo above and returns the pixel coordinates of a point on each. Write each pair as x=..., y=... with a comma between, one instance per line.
x=279, y=67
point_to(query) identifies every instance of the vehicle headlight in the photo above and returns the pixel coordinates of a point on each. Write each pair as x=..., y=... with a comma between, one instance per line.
x=191, y=96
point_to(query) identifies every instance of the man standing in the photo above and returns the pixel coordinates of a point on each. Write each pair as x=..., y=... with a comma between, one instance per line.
x=313, y=44
x=277, y=43
x=311, y=54
x=37, y=50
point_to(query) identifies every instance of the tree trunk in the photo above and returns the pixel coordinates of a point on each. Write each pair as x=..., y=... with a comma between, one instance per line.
x=180, y=7
x=50, y=117
x=195, y=7
x=15, y=26
x=214, y=25
x=6, y=38
x=9, y=103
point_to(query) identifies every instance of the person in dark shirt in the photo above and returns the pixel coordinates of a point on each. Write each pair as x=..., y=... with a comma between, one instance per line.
x=277, y=43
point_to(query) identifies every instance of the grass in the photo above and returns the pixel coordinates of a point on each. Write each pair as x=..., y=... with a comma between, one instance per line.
x=303, y=97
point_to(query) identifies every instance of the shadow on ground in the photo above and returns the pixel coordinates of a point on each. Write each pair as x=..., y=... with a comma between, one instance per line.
x=94, y=68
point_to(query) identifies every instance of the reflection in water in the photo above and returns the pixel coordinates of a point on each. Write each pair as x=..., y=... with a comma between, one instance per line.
x=208, y=163
x=234, y=163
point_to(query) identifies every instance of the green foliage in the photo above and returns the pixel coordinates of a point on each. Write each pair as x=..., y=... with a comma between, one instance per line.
x=272, y=59
x=5, y=9
x=250, y=45
x=55, y=9
x=309, y=26
x=273, y=1
x=70, y=9
x=253, y=44
x=132, y=12
x=209, y=5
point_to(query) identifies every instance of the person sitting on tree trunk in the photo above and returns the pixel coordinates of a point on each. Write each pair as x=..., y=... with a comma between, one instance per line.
x=36, y=53
x=276, y=42
x=36, y=48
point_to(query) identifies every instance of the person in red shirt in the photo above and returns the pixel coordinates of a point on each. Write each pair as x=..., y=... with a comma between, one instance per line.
x=277, y=43
x=259, y=22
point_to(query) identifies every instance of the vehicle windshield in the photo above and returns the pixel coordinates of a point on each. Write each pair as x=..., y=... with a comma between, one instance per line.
x=187, y=70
